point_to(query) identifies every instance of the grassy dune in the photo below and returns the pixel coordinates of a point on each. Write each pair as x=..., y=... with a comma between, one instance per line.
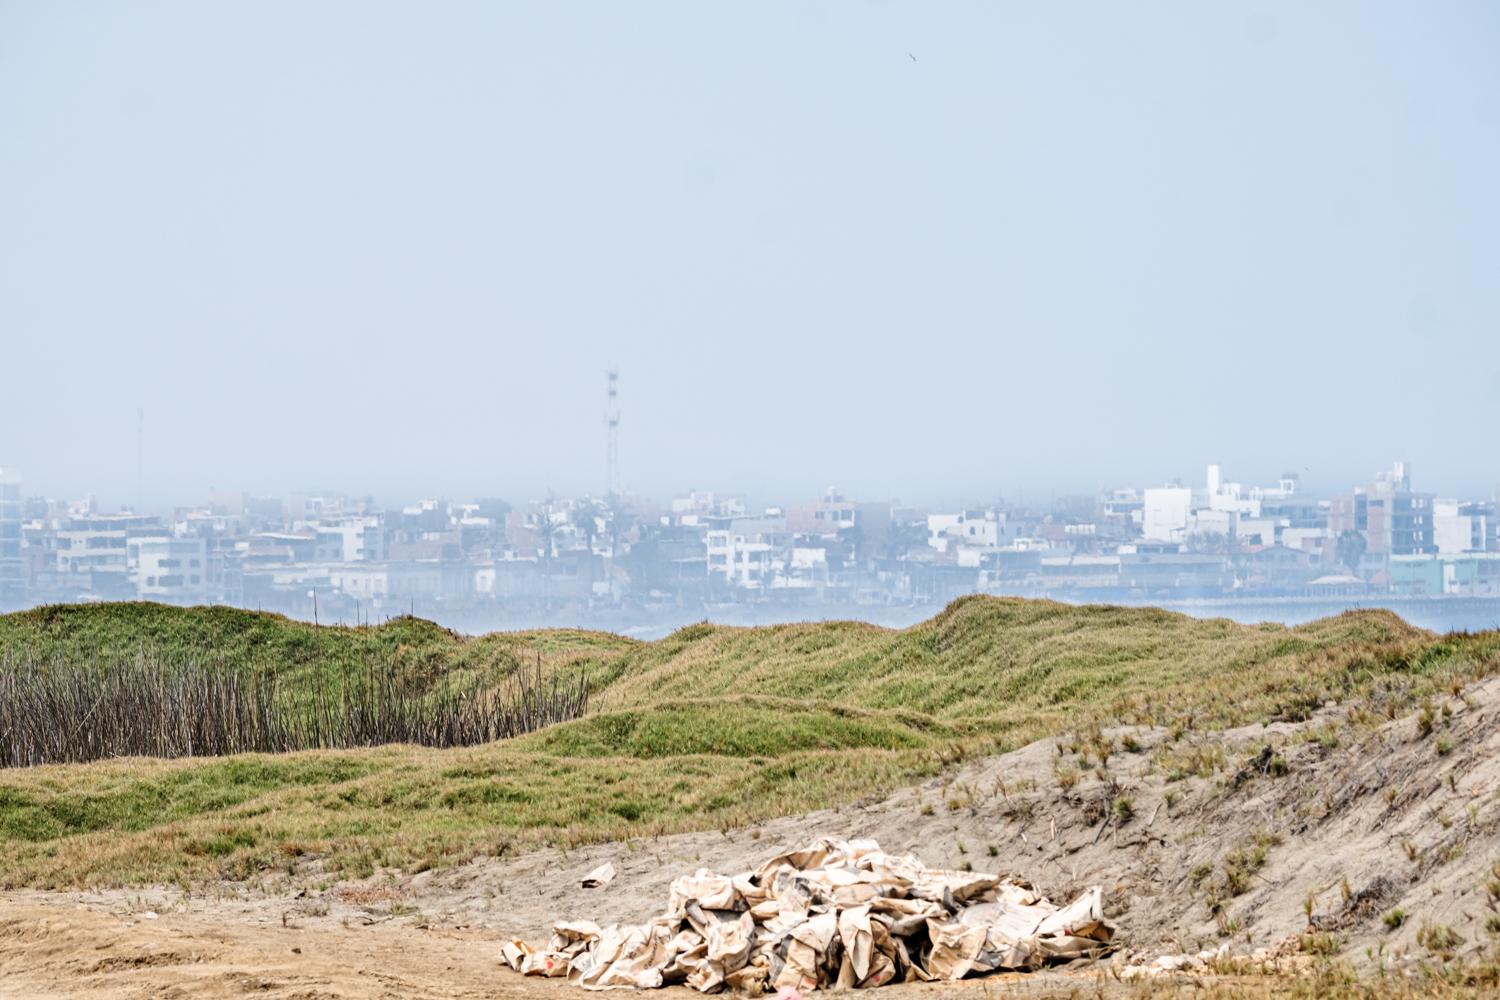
x=297, y=652
x=708, y=728
x=1010, y=662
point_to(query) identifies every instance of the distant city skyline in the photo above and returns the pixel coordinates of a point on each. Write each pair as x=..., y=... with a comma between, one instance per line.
x=647, y=563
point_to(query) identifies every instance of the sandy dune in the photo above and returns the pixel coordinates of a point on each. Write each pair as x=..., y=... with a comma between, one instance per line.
x=1367, y=822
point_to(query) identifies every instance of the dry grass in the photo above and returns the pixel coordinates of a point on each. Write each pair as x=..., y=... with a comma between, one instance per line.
x=709, y=728
x=141, y=707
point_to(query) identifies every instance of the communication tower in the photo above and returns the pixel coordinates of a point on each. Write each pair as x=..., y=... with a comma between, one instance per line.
x=612, y=426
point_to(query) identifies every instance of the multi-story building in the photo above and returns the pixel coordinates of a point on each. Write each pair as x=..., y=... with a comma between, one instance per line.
x=1458, y=573
x=1164, y=513
x=93, y=548
x=1230, y=497
x=284, y=548
x=1465, y=527
x=1395, y=520
x=828, y=516
x=163, y=568
x=743, y=549
x=976, y=529
x=1122, y=510
x=12, y=567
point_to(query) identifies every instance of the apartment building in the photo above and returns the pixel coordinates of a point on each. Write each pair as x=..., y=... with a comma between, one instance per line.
x=1465, y=527
x=93, y=549
x=172, y=570
x=1395, y=519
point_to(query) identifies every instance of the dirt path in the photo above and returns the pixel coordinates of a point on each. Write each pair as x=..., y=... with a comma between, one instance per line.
x=57, y=948
x=50, y=949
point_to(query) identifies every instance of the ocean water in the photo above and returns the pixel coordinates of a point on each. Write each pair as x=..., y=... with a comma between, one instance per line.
x=1438, y=614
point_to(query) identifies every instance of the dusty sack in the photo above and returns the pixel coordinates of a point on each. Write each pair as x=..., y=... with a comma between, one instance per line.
x=833, y=913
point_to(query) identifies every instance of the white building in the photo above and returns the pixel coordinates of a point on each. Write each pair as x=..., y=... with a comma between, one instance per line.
x=1122, y=505
x=981, y=529
x=1164, y=513
x=363, y=582
x=372, y=581
x=359, y=537
x=168, y=569
x=1303, y=539
x=1462, y=527
x=1209, y=521
x=745, y=550
x=1258, y=531
x=1230, y=496
x=204, y=524
x=698, y=504
x=942, y=529
x=97, y=543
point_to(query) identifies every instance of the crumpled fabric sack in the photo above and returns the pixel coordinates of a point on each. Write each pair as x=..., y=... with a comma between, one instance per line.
x=835, y=913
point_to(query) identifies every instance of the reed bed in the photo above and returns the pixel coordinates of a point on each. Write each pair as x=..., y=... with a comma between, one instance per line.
x=66, y=712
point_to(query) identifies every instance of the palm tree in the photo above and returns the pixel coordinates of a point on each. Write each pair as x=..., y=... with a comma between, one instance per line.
x=584, y=521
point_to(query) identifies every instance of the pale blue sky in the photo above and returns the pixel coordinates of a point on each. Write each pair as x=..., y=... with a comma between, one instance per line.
x=915, y=249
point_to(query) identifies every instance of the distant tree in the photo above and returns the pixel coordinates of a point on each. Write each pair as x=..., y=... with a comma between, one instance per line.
x=583, y=520
x=1349, y=548
x=620, y=518
x=905, y=536
x=1212, y=542
x=854, y=537
x=546, y=531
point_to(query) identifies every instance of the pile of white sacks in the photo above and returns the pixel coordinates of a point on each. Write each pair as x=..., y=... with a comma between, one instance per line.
x=834, y=914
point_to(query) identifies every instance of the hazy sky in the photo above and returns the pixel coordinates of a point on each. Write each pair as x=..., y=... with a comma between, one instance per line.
x=914, y=249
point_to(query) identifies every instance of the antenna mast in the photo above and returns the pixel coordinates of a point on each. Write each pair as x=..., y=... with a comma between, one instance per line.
x=612, y=425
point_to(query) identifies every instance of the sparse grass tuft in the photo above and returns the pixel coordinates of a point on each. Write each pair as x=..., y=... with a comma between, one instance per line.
x=1439, y=939
x=1239, y=867
x=1425, y=719
x=1320, y=943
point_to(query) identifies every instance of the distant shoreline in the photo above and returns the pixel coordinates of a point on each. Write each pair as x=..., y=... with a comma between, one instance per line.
x=1444, y=613
x=1437, y=613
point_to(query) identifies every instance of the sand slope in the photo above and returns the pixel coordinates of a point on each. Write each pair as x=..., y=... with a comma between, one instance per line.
x=1364, y=814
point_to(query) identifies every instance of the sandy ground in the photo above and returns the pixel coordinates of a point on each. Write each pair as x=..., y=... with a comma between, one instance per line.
x=1379, y=821
x=50, y=949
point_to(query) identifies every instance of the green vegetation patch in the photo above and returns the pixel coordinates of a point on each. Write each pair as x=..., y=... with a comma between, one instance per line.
x=92, y=636
x=709, y=728
x=403, y=806
x=741, y=727
x=118, y=796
